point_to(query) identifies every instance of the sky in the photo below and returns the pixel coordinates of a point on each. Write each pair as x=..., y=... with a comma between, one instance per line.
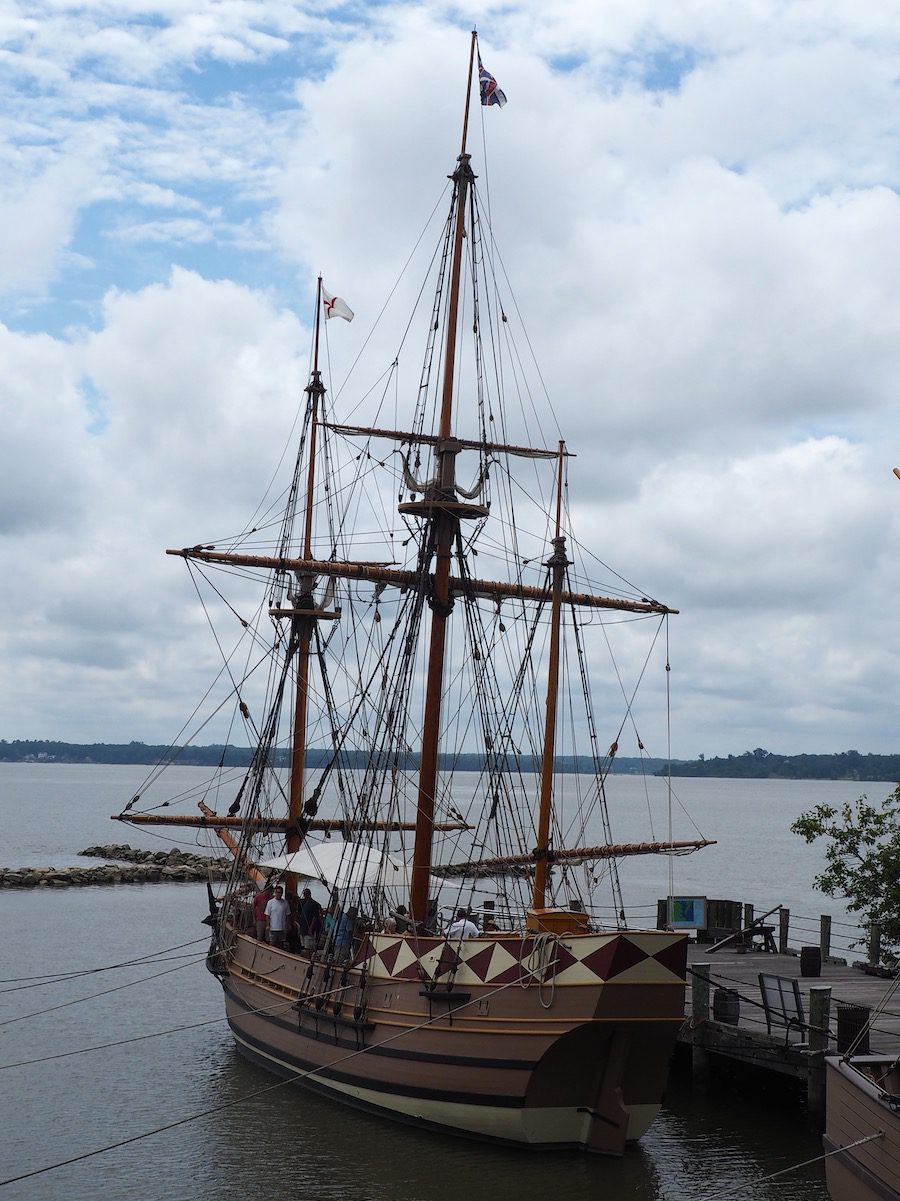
x=698, y=203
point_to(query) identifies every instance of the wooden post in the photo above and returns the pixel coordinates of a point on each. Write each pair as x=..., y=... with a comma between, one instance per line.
x=825, y=936
x=820, y=1025
x=699, y=1013
x=748, y=916
x=875, y=943
x=784, y=925
x=700, y=992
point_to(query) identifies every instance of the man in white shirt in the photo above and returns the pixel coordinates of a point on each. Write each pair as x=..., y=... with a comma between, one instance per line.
x=277, y=911
x=462, y=926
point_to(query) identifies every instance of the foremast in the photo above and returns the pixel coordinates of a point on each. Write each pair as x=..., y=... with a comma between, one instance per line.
x=302, y=610
x=303, y=624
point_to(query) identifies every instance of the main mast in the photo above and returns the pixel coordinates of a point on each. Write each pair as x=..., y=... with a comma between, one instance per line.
x=443, y=524
x=442, y=506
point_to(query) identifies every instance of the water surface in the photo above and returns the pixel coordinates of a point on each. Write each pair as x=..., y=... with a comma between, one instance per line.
x=281, y=1142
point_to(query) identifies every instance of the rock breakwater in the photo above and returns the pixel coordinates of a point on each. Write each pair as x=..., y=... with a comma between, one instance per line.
x=132, y=866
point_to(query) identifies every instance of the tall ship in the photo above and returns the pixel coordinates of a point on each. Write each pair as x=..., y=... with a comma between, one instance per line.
x=410, y=635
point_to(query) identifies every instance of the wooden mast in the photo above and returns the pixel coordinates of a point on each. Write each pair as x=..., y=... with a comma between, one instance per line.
x=303, y=624
x=557, y=564
x=443, y=525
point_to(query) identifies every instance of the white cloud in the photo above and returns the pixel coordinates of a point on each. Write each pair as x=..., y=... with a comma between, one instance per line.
x=199, y=379
x=44, y=417
x=37, y=217
x=698, y=210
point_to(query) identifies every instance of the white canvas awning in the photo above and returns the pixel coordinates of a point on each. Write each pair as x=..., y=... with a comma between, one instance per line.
x=342, y=865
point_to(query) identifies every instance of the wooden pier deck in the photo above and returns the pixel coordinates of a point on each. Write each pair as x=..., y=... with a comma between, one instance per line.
x=796, y=1051
x=849, y=985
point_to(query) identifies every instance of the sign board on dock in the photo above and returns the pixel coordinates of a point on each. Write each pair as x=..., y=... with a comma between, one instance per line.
x=687, y=913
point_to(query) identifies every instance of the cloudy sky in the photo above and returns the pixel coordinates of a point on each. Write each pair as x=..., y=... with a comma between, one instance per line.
x=698, y=205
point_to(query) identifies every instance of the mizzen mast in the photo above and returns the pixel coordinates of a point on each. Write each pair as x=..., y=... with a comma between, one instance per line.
x=557, y=564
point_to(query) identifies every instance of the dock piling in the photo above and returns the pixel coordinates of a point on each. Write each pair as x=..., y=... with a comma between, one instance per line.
x=784, y=926
x=700, y=1013
x=819, y=1029
x=825, y=936
x=875, y=944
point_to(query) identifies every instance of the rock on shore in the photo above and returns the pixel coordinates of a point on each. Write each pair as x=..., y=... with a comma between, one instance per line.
x=132, y=867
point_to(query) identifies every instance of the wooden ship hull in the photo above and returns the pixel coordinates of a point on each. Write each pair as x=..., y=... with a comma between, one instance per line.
x=559, y=1043
x=862, y=1100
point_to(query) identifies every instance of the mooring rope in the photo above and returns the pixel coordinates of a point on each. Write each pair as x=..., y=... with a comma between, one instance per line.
x=729, y=1192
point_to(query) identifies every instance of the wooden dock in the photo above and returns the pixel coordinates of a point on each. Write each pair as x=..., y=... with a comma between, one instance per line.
x=789, y=1048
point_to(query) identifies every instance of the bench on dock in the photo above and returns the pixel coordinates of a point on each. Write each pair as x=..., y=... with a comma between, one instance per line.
x=782, y=1003
x=745, y=936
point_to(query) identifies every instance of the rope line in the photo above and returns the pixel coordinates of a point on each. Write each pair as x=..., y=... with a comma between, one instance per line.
x=135, y=1138
x=729, y=1192
x=105, y=993
x=25, y=982
x=136, y=1038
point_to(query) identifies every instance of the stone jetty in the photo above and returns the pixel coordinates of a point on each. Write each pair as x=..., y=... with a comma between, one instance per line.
x=131, y=866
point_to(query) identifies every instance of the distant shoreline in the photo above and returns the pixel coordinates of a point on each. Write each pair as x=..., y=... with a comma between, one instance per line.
x=751, y=765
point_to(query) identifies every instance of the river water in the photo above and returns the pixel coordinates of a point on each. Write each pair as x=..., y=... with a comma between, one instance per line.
x=116, y=1053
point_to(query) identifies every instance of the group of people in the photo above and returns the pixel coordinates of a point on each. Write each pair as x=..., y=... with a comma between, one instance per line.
x=287, y=921
x=463, y=926
x=299, y=923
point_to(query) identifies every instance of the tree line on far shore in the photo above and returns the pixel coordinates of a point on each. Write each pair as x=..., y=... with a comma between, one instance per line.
x=45, y=751
x=761, y=764
x=758, y=764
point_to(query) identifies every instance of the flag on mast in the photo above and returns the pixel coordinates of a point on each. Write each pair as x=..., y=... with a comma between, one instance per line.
x=335, y=307
x=490, y=93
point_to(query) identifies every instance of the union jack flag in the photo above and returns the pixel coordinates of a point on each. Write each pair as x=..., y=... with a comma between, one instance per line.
x=490, y=93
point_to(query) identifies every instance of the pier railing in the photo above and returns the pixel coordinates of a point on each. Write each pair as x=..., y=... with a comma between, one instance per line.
x=738, y=923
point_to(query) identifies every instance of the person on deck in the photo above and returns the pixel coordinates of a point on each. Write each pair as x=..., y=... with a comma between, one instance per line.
x=310, y=921
x=277, y=914
x=292, y=930
x=344, y=929
x=260, y=901
x=462, y=926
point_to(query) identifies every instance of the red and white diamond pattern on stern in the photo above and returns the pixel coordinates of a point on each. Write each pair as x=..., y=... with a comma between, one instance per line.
x=628, y=958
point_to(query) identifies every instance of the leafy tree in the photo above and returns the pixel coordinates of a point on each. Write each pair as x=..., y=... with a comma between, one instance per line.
x=863, y=860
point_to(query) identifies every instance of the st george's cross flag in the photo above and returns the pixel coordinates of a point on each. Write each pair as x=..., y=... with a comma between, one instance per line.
x=335, y=307
x=490, y=93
